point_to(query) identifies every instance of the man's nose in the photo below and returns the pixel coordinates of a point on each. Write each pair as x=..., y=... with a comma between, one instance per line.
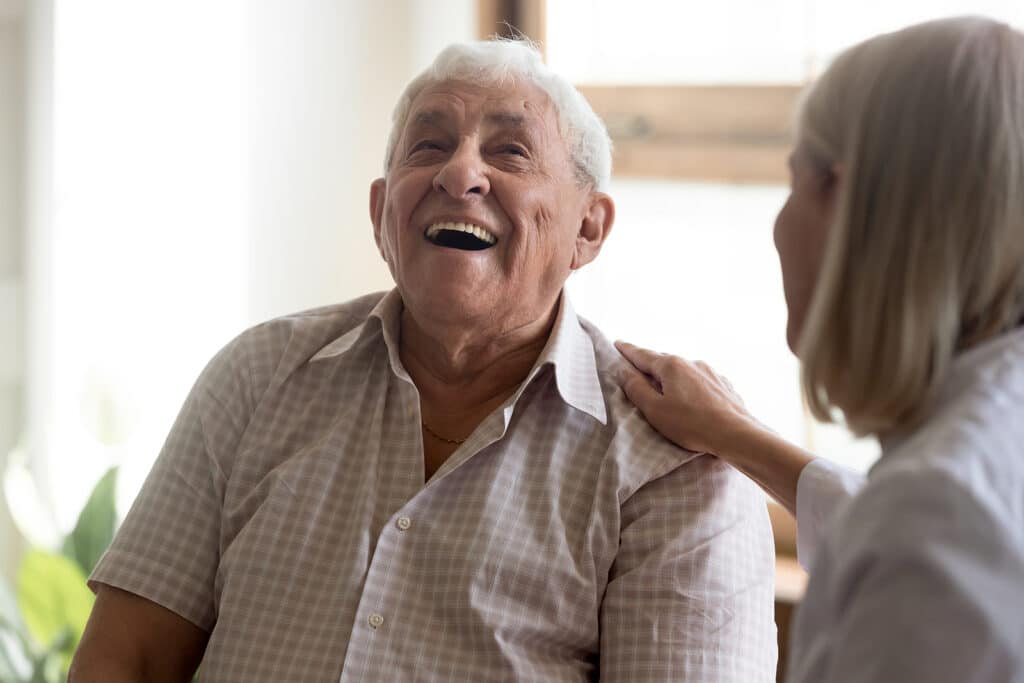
x=463, y=174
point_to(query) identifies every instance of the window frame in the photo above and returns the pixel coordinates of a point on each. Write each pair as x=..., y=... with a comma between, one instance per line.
x=725, y=133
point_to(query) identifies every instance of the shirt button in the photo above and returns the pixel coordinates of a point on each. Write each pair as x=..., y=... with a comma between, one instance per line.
x=376, y=621
x=403, y=523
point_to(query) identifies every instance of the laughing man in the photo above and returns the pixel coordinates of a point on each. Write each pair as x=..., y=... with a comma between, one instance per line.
x=442, y=482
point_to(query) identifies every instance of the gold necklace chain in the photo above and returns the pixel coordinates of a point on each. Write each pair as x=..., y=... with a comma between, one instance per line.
x=437, y=436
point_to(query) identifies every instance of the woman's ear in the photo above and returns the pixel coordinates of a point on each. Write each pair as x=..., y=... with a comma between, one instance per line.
x=594, y=229
x=832, y=180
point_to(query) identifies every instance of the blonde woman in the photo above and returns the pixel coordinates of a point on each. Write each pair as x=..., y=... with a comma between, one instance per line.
x=902, y=253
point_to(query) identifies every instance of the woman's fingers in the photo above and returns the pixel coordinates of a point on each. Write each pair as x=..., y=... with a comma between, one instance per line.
x=699, y=410
x=642, y=359
x=638, y=389
x=688, y=402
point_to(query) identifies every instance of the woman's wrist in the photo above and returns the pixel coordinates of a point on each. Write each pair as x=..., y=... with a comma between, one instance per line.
x=740, y=444
x=771, y=461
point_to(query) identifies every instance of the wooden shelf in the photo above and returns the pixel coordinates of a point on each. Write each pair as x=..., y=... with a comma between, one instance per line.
x=790, y=580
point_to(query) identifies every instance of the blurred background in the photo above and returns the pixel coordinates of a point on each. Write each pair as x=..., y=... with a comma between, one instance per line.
x=173, y=172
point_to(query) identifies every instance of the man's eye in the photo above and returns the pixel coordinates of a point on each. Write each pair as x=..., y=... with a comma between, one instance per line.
x=514, y=150
x=426, y=145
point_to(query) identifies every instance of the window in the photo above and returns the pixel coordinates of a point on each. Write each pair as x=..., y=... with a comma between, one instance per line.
x=698, y=99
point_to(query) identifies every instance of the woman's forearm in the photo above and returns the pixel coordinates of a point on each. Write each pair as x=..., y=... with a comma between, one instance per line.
x=772, y=462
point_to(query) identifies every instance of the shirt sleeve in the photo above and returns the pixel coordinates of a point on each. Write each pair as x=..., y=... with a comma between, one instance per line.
x=168, y=548
x=691, y=592
x=934, y=598
x=822, y=487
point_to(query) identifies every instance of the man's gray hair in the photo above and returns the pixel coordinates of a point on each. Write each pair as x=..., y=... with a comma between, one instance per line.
x=491, y=62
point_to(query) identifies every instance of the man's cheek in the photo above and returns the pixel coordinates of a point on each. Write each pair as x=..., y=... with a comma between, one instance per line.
x=390, y=250
x=387, y=245
x=390, y=234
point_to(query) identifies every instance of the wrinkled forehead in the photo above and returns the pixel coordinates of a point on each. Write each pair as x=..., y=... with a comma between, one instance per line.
x=513, y=104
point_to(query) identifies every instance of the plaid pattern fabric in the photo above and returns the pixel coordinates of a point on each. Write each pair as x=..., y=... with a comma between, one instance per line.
x=564, y=541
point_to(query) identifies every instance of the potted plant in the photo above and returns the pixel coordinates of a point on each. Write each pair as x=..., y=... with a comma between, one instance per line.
x=43, y=617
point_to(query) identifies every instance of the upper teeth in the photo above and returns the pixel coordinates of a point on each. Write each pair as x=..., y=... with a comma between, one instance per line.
x=474, y=230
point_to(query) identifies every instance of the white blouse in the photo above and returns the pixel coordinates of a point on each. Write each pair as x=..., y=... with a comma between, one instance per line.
x=918, y=570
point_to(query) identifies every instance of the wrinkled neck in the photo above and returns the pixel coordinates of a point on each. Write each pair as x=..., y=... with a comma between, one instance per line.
x=458, y=367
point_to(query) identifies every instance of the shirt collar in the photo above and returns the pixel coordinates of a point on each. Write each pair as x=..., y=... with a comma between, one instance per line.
x=965, y=369
x=385, y=316
x=569, y=350
x=975, y=360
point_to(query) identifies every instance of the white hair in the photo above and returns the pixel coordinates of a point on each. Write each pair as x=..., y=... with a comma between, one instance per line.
x=490, y=62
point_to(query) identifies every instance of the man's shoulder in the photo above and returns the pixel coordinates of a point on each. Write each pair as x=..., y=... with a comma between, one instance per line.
x=276, y=347
x=623, y=416
x=339, y=317
x=309, y=330
x=639, y=451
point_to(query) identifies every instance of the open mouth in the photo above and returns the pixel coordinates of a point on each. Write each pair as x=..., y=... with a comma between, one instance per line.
x=465, y=236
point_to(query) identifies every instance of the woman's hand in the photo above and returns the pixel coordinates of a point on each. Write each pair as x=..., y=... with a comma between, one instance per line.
x=699, y=410
x=688, y=402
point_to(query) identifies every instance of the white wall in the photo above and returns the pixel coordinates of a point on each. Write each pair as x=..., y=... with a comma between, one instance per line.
x=11, y=260
x=312, y=87
x=11, y=187
x=322, y=79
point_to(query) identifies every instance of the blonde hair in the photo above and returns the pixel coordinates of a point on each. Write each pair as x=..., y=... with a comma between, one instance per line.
x=925, y=256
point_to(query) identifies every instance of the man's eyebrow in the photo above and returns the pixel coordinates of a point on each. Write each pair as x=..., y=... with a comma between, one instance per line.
x=507, y=118
x=504, y=119
x=429, y=117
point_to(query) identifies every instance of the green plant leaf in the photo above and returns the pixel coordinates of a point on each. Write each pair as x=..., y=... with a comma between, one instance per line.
x=54, y=600
x=95, y=527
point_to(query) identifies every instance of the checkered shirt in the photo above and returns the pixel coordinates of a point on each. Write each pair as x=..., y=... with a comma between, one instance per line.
x=565, y=540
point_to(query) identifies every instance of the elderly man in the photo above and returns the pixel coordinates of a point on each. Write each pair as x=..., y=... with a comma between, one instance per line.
x=443, y=482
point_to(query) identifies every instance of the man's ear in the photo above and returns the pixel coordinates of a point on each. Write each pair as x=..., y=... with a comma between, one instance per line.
x=594, y=229
x=378, y=189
